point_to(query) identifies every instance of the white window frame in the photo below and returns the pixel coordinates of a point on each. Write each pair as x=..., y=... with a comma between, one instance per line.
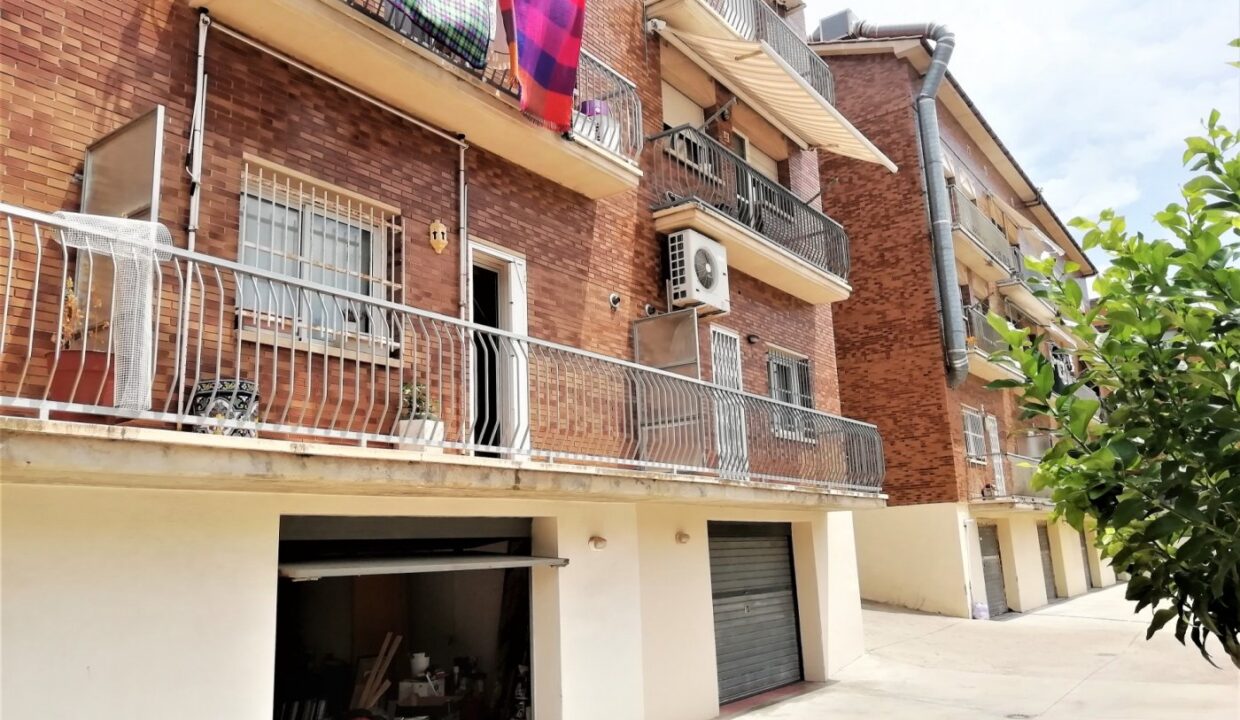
x=306, y=213
x=974, y=423
x=514, y=405
x=993, y=440
x=785, y=427
x=312, y=201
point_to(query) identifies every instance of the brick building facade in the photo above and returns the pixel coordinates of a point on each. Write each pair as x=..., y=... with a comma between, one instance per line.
x=963, y=518
x=208, y=524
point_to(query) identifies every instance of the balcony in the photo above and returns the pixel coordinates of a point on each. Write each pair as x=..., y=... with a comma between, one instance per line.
x=372, y=45
x=748, y=20
x=1020, y=289
x=295, y=360
x=749, y=48
x=984, y=340
x=1015, y=493
x=770, y=234
x=979, y=243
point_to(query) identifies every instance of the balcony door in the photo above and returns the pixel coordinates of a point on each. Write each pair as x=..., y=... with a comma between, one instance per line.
x=731, y=441
x=499, y=380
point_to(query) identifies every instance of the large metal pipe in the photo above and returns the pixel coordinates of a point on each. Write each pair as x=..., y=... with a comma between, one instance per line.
x=950, y=305
x=198, y=121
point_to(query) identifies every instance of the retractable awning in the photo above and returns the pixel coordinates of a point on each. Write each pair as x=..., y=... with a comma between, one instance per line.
x=316, y=569
x=766, y=82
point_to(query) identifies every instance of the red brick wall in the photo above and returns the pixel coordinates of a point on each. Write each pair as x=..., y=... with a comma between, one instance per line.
x=72, y=73
x=888, y=341
x=889, y=349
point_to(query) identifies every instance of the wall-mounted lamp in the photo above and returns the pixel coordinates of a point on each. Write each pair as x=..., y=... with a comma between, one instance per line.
x=439, y=236
x=682, y=537
x=597, y=543
x=753, y=339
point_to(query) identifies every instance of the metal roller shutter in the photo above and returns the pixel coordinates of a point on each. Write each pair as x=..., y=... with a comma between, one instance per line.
x=757, y=640
x=1048, y=570
x=992, y=569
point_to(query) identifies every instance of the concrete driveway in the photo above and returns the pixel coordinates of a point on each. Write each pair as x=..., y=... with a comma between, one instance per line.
x=1080, y=658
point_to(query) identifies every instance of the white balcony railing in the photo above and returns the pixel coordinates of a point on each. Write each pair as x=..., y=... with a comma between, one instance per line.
x=171, y=346
x=967, y=216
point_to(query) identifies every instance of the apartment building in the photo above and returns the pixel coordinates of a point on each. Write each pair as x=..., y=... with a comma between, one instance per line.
x=965, y=533
x=336, y=371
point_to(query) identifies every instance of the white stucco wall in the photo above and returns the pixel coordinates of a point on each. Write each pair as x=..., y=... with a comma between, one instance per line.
x=679, y=637
x=915, y=556
x=1022, y=562
x=146, y=603
x=1100, y=569
x=149, y=603
x=1069, y=565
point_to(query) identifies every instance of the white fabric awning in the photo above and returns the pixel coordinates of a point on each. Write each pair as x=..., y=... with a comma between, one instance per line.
x=316, y=569
x=765, y=81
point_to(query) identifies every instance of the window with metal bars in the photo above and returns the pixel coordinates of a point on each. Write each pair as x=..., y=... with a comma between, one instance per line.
x=317, y=236
x=974, y=435
x=791, y=381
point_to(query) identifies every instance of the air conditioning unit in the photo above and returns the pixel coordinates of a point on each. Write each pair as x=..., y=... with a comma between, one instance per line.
x=699, y=271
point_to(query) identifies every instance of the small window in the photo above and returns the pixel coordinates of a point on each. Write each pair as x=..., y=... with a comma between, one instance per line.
x=974, y=435
x=1061, y=363
x=791, y=381
x=314, y=235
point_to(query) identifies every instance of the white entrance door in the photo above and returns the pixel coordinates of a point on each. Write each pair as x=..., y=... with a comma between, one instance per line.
x=500, y=418
x=731, y=442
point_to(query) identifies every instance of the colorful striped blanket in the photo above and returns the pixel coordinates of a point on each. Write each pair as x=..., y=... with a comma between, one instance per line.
x=544, y=37
x=462, y=26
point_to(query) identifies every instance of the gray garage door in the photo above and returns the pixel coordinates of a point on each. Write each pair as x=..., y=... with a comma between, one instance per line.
x=1048, y=569
x=992, y=570
x=757, y=641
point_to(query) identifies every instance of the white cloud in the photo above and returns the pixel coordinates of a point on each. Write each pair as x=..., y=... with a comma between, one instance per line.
x=1093, y=98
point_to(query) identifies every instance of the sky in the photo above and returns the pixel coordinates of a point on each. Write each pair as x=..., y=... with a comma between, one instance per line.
x=1093, y=97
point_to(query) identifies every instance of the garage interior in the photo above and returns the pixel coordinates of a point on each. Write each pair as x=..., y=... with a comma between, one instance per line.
x=404, y=618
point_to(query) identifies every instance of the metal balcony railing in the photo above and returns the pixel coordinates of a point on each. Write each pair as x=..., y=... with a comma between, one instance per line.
x=755, y=20
x=1020, y=479
x=967, y=216
x=608, y=110
x=982, y=335
x=691, y=166
x=297, y=359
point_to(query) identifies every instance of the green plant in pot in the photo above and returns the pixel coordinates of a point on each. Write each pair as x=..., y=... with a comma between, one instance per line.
x=419, y=426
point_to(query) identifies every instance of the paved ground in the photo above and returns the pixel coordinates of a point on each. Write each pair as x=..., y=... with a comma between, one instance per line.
x=1084, y=658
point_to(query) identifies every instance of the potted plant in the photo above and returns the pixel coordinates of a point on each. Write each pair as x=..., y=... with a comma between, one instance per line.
x=83, y=372
x=419, y=426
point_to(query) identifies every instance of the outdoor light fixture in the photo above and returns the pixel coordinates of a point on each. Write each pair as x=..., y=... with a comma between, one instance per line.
x=597, y=543
x=682, y=537
x=753, y=339
x=439, y=236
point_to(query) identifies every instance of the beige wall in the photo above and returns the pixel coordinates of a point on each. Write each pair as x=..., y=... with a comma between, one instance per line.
x=915, y=556
x=1022, y=561
x=1099, y=568
x=679, y=647
x=1069, y=565
x=134, y=601
x=137, y=603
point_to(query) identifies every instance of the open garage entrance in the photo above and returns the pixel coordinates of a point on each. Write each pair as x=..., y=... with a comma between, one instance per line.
x=404, y=618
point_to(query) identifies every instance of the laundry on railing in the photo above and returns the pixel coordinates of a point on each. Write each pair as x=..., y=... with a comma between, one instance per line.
x=462, y=26
x=544, y=40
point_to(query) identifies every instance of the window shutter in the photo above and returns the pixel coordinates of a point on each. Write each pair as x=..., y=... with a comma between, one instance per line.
x=996, y=450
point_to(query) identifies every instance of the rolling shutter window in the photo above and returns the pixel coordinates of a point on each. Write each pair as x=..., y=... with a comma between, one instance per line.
x=679, y=110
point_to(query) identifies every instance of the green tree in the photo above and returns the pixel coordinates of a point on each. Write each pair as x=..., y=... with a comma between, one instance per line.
x=1155, y=463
